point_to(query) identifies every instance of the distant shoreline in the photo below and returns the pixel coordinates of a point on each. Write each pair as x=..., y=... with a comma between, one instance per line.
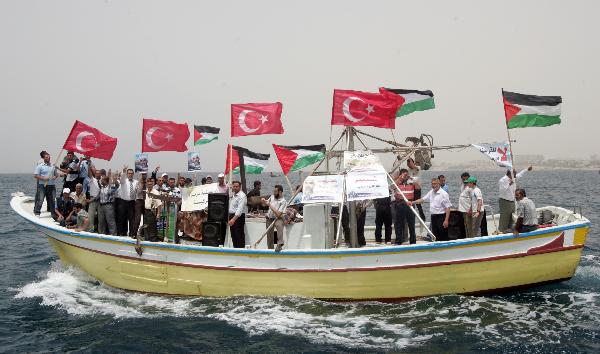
x=452, y=168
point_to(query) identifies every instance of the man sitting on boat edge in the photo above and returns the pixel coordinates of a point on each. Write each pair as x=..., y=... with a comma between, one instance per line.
x=526, y=213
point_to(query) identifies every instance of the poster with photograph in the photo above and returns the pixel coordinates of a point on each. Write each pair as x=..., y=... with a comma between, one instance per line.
x=362, y=186
x=323, y=189
x=141, y=162
x=194, y=161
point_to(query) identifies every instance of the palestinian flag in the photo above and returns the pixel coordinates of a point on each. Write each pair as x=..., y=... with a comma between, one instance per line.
x=205, y=134
x=524, y=111
x=293, y=158
x=414, y=100
x=254, y=163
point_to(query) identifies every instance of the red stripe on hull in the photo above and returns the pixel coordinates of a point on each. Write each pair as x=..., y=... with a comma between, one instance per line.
x=530, y=252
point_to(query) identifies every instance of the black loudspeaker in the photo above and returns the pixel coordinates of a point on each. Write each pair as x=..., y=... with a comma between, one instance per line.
x=218, y=204
x=211, y=234
x=454, y=222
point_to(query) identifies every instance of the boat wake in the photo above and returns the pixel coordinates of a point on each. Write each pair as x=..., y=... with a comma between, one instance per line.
x=73, y=291
x=549, y=314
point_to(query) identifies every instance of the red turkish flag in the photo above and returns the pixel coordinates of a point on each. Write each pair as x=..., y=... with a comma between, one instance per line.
x=256, y=119
x=358, y=108
x=90, y=141
x=162, y=135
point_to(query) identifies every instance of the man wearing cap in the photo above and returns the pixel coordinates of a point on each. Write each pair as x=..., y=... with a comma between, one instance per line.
x=439, y=207
x=506, y=201
x=209, y=179
x=64, y=207
x=476, y=207
x=45, y=175
x=222, y=186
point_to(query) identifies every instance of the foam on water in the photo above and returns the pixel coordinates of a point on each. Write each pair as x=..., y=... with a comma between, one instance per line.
x=549, y=316
x=73, y=291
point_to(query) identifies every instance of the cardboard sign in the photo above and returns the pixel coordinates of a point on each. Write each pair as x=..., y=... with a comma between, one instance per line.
x=196, y=198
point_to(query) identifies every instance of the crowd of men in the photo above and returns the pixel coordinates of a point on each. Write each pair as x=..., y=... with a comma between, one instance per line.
x=116, y=203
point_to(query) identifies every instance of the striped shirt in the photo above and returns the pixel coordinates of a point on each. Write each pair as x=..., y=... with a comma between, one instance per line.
x=107, y=194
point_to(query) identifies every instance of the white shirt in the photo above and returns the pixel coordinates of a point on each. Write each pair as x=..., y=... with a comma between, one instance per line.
x=125, y=186
x=151, y=203
x=438, y=201
x=94, y=188
x=475, y=196
x=506, y=189
x=237, y=204
x=78, y=198
x=464, y=199
x=277, y=204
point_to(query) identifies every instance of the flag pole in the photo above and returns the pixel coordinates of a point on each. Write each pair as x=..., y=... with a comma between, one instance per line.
x=230, y=163
x=298, y=190
x=289, y=183
x=512, y=156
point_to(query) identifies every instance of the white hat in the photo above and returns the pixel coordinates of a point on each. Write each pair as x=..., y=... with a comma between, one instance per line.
x=221, y=175
x=209, y=176
x=164, y=174
x=66, y=190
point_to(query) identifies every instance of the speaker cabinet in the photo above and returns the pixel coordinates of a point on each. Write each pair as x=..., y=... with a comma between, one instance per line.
x=218, y=204
x=212, y=233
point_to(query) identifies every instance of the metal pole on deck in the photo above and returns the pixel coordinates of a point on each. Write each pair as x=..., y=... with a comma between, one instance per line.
x=351, y=205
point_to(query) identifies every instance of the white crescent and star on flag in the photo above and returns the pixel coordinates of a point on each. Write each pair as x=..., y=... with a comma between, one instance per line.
x=79, y=140
x=242, y=120
x=150, y=137
x=346, y=109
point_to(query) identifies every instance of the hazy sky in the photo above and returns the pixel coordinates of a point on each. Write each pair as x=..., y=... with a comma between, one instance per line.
x=111, y=63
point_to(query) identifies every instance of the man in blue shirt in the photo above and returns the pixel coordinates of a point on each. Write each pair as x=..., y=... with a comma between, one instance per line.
x=45, y=174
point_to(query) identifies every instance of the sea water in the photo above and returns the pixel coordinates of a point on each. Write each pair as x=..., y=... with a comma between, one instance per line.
x=49, y=307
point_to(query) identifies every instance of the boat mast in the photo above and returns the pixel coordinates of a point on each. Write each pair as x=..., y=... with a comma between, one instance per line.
x=351, y=205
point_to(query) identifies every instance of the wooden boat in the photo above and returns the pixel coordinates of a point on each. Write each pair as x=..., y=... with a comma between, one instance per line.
x=465, y=266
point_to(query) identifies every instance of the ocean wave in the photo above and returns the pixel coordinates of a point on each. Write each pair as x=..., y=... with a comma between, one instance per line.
x=73, y=291
x=550, y=316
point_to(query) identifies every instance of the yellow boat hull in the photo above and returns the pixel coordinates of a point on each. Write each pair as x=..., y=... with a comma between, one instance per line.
x=467, y=277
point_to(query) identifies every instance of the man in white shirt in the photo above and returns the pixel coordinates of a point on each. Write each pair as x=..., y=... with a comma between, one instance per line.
x=126, y=208
x=506, y=201
x=276, y=204
x=237, y=215
x=439, y=207
x=465, y=208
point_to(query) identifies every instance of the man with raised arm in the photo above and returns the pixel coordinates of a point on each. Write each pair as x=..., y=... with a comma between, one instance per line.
x=506, y=201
